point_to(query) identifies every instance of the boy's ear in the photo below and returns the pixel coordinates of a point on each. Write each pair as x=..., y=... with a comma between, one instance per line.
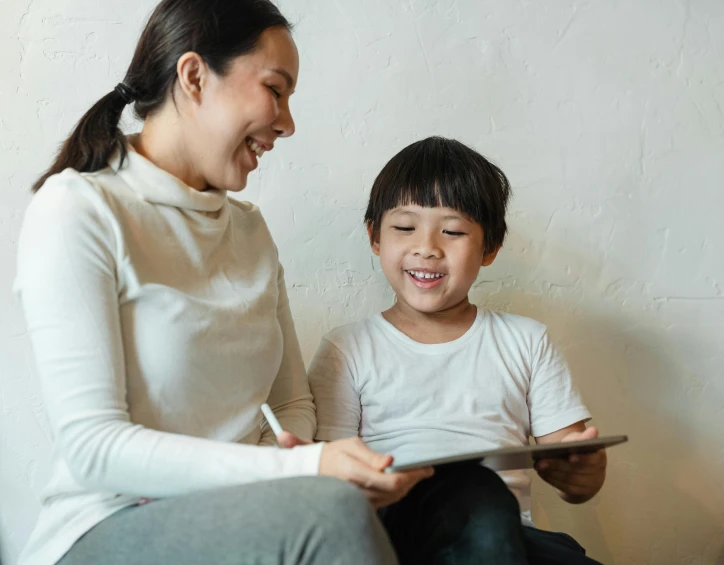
x=374, y=239
x=488, y=258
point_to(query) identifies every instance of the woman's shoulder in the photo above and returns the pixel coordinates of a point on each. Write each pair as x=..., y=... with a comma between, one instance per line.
x=69, y=205
x=67, y=194
x=247, y=218
x=244, y=208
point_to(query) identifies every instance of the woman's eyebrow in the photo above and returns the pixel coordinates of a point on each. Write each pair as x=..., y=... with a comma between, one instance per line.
x=287, y=77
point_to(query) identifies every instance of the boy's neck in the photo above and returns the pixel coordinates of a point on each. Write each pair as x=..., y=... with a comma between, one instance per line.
x=435, y=327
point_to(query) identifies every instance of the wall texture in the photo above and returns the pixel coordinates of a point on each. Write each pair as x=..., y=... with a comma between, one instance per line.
x=607, y=116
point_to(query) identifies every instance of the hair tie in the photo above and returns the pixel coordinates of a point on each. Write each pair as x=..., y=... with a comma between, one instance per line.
x=125, y=92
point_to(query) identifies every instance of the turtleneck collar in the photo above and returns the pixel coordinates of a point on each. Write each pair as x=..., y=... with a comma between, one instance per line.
x=155, y=185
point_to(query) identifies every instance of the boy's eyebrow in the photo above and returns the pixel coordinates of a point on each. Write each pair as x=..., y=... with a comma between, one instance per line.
x=400, y=212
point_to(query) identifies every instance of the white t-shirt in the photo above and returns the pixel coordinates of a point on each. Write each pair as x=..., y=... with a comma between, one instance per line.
x=160, y=323
x=495, y=386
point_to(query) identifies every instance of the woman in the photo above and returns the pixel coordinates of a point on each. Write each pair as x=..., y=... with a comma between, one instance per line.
x=159, y=321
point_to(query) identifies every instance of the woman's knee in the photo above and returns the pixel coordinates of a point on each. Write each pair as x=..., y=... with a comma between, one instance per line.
x=339, y=500
x=350, y=528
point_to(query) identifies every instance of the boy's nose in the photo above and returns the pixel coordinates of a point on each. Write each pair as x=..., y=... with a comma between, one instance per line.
x=427, y=248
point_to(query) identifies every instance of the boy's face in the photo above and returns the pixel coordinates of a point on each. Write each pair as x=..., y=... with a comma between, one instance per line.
x=430, y=256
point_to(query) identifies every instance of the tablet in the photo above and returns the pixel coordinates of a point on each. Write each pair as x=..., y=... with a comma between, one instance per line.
x=509, y=458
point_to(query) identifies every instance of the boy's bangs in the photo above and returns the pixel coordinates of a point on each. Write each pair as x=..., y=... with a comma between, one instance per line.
x=439, y=172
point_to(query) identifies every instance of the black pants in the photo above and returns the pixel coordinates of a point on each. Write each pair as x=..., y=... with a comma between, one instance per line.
x=465, y=515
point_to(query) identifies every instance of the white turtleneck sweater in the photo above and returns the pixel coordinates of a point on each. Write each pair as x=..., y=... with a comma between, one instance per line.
x=160, y=323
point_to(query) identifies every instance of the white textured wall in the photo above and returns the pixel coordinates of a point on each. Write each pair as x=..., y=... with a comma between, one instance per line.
x=607, y=116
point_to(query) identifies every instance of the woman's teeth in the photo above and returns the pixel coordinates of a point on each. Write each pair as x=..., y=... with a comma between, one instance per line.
x=254, y=147
x=421, y=275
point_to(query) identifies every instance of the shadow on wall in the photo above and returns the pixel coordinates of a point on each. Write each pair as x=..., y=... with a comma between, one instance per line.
x=641, y=374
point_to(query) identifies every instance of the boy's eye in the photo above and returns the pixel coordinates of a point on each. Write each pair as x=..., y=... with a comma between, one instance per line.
x=403, y=228
x=277, y=94
x=454, y=233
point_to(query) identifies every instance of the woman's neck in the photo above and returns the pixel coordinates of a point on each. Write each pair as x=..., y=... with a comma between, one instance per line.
x=162, y=142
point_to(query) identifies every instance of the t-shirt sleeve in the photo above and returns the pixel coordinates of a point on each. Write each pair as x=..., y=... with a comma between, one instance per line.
x=68, y=290
x=553, y=400
x=335, y=395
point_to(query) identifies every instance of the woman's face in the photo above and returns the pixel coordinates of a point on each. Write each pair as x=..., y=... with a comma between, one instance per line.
x=240, y=115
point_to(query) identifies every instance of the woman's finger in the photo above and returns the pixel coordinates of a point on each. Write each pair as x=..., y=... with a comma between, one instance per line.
x=357, y=449
x=289, y=440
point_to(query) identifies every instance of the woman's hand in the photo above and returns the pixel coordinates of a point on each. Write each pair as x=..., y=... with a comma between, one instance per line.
x=352, y=461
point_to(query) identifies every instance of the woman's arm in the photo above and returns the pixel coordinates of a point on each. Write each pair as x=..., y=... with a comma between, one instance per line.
x=68, y=289
x=290, y=397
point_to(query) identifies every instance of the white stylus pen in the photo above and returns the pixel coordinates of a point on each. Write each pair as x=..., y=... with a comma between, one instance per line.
x=271, y=419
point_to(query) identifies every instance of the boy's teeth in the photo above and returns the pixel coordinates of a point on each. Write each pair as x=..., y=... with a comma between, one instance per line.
x=421, y=275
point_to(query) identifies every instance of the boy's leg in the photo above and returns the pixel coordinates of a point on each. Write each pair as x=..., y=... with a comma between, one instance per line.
x=461, y=515
x=299, y=521
x=553, y=548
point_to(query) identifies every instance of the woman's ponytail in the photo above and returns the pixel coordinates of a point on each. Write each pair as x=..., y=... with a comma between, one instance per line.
x=95, y=137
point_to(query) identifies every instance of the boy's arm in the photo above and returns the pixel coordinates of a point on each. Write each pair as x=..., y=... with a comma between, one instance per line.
x=578, y=478
x=557, y=414
x=335, y=394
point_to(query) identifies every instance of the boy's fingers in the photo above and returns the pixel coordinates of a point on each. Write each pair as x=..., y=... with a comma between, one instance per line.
x=563, y=466
x=568, y=488
x=569, y=478
x=553, y=465
x=583, y=463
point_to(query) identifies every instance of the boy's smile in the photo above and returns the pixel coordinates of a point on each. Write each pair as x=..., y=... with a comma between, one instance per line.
x=423, y=278
x=430, y=256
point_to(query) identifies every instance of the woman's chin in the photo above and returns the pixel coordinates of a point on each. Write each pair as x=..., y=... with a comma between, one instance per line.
x=237, y=183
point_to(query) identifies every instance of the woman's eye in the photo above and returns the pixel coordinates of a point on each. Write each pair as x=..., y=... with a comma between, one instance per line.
x=403, y=228
x=277, y=94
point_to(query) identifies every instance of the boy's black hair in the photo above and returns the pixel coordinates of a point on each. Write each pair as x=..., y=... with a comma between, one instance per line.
x=443, y=172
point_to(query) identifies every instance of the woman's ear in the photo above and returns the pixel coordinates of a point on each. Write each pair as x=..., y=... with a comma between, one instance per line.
x=488, y=258
x=192, y=73
x=374, y=236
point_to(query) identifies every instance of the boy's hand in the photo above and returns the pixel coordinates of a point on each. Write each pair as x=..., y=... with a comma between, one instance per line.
x=579, y=477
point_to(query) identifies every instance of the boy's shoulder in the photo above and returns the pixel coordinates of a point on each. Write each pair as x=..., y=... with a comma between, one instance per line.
x=514, y=322
x=353, y=334
x=500, y=325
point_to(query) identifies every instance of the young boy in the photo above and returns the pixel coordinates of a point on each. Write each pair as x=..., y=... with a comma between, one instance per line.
x=435, y=375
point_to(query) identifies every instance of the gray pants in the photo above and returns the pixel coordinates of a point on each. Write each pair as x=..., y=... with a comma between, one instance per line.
x=305, y=521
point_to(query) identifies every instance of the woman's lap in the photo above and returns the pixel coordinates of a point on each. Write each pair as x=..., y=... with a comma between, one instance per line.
x=305, y=520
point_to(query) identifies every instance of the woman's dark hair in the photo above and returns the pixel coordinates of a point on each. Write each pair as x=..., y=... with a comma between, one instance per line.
x=217, y=30
x=443, y=172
